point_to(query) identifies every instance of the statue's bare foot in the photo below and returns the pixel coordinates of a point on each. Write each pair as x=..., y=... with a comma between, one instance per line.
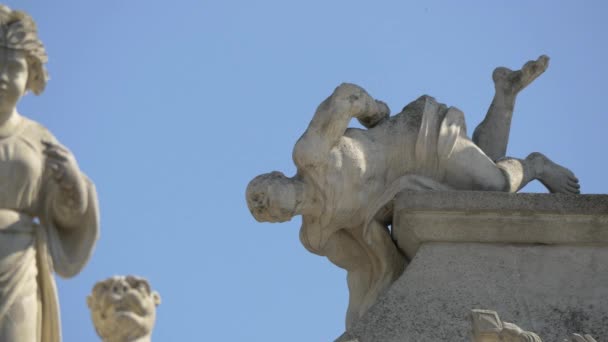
x=512, y=82
x=556, y=178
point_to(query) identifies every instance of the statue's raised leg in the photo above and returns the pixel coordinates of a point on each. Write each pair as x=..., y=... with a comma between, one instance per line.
x=492, y=134
x=468, y=168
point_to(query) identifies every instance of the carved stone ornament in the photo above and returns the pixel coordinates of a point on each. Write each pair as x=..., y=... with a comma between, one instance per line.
x=487, y=327
x=347, y=178
x=123, y=309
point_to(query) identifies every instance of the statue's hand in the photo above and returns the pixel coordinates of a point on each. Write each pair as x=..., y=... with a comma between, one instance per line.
x=66, y=174
x=377, y=114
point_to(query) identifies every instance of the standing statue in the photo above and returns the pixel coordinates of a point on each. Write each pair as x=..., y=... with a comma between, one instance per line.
x=346, y=177
x=123, y=309
x=48, y=208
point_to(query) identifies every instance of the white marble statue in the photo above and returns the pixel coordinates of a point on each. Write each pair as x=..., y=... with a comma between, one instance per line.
x=48, y=208
x=123, y=309
x=347, y=177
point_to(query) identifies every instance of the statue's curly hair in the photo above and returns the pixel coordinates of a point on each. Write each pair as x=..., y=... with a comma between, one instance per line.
x=18, y=31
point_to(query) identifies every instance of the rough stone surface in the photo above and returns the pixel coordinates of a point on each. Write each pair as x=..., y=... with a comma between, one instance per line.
x=556, y=290
x=493, y=217
x=123, y=309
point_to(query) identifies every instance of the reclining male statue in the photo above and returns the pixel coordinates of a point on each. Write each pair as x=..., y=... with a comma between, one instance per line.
x=346, y=176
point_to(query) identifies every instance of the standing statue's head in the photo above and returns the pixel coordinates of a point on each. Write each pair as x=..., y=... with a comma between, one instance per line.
x=123, y=308
x=273, y=197
x=22, y=57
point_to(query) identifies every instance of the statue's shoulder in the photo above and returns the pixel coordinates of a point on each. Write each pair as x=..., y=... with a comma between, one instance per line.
x=33, y=130
x=307, y=153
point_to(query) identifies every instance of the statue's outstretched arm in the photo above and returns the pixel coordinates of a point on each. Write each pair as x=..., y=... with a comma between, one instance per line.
x=332, y=118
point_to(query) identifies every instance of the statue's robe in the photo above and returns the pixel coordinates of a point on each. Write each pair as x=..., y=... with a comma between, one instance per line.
x=33, y=243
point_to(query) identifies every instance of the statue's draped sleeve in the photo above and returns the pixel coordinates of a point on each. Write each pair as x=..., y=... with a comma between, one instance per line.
x=71, y=247
x=63, y=250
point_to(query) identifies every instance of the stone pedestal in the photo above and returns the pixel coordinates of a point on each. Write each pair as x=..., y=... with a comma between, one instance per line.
x=539, y=260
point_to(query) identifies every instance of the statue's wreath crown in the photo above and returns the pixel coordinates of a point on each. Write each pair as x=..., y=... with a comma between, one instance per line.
x=18, y=31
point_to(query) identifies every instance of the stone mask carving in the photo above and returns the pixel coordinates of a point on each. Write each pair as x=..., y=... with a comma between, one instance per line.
x=123, y=309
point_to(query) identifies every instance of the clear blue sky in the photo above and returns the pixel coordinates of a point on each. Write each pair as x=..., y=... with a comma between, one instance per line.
x=172, y=107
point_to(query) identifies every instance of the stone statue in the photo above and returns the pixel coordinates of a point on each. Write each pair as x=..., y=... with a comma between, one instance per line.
x=488, y=327
x=347, y=177
x=123, y=309
x=582, y=338
x=48, y=207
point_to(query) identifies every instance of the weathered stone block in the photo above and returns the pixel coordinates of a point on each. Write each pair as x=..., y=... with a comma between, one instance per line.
x=540, y=260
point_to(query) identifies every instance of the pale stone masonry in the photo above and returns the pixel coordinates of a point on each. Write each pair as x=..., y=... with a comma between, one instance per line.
x=539, y=260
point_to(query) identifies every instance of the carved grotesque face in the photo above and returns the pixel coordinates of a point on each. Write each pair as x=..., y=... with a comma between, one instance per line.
x=271, y=197
x=13, y=77
x=123, y=308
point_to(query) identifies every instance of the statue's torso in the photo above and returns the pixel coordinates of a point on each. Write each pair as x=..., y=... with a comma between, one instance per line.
x=21, y=175
x=357, y=171
x=21, y=169
x=360, y=168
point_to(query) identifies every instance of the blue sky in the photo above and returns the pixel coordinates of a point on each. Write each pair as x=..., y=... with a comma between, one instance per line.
x=172, y=107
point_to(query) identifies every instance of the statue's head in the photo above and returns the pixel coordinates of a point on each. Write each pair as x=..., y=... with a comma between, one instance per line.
x=273, y=197
x=123, y=308
x=22, y=57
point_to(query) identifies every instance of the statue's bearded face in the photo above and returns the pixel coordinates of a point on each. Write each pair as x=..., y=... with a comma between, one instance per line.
x=272, y=197
x=13, y=77
x=123, y=308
